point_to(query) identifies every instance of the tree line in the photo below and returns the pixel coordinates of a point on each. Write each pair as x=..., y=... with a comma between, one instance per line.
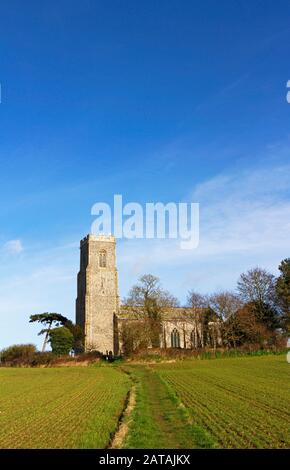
x=256, y=313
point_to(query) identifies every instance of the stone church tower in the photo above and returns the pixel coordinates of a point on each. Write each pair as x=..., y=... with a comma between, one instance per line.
x=97, y=303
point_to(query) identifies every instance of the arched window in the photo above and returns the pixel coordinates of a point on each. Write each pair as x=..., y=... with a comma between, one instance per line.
x=175, y=339
x=102, y=259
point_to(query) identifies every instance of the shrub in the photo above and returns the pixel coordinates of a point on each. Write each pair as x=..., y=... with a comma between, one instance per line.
x=175, y=354
x=18, y=353
x=89, y=356
x=42, y=359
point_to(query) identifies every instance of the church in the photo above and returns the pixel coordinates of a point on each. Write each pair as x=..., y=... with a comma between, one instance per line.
x=98, y=308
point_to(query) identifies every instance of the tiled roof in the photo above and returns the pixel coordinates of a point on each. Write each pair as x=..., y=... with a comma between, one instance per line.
x=170, y=313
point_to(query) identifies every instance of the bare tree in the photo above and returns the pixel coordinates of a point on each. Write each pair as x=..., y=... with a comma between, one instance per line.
x=257, y=285
x=244, y=328
x=147, y=300
x=198, y=304
x=225, y=304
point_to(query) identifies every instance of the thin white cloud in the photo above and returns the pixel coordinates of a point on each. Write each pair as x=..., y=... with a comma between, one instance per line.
x=247, y=210
x=13, y=246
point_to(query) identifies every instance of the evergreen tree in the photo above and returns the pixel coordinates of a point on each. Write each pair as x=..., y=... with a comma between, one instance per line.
x=61, y=340
x=47, y=319
x=283, y=292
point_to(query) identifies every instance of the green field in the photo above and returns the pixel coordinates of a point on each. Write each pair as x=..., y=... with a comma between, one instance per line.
x=219, y=403
x=242, y=402
x=60, y=408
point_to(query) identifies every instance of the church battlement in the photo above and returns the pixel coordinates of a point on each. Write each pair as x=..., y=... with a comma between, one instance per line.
x=98, y=238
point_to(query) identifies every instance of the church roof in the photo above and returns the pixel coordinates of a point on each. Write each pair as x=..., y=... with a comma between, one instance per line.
x=169, y=313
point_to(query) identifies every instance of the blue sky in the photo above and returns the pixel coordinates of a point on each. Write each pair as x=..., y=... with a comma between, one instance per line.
x=157, y=101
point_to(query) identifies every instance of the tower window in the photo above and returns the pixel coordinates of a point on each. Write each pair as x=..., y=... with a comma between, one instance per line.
x=175, y=339
x=102, y=259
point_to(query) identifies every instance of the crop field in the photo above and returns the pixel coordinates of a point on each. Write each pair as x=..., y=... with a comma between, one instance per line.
x=76, y=407
x=218, y=403
x=234, y=403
